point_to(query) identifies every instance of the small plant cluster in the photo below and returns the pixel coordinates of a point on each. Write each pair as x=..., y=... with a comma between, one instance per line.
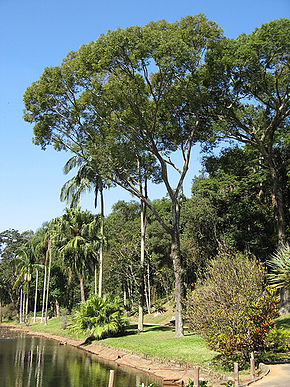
x=159, y=307
x=201, y=383
x=100, y=317
x=232, y=308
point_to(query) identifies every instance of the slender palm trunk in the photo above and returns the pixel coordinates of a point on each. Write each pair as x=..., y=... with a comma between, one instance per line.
x=81, y=279
x=102, y=244
x=44, y=286
x=27, y=301
x=23, y=305
x=20, y=309
x=48, y=279
x=35, y=295
x=95, y=270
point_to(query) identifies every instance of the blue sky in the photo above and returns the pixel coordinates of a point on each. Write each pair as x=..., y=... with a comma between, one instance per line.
x=39, y=33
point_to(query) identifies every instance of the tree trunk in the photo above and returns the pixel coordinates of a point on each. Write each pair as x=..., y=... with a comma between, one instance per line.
x=178, y=270
x=57, y=308
x=124, y=297
x=48, y=279
x=284, y=301
x=35, y=296
x=0, y=311
x=102, y=243
x=27, y=301
x=278, y=205
x=44, y=286
x=147, y=290
x=142, y=258
x=81, y=278
x=96, y=288
x=20, y=309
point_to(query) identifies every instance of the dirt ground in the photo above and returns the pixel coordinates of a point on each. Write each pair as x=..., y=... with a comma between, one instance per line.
x=171, y=373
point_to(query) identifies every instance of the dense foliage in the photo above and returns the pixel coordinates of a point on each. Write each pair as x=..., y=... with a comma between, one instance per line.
x=232, y=308
x=100, y=317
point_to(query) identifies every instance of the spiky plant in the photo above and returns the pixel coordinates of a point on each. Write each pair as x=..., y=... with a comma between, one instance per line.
x=279, y=264
x=100, y=317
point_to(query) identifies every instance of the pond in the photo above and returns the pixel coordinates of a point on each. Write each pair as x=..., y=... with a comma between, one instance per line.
x=28, y=361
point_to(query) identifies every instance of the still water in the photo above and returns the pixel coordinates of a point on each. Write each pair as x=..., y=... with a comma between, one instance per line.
x=27, y=361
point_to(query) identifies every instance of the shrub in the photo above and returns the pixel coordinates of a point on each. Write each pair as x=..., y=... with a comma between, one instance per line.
x=64, y=317
x=278, y=340
x=100, y=317
x=232, y=308
x=9, y=312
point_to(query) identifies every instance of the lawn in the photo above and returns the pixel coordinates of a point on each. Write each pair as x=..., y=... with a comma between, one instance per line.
x=161, y=342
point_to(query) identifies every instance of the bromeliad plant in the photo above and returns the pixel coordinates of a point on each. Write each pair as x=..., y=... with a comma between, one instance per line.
x=279, y=264
x=100, y=317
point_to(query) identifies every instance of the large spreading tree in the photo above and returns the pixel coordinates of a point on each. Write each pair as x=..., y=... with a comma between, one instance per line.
x=130, y=100
x=250, y=78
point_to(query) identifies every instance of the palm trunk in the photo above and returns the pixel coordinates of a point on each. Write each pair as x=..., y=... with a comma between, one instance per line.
x=95, y=271
x=23, y=306
x=44, y=286
x=20, y=309
x=81, y=279
x=48, y=279
x=35, y=296
x=27, y=300
x=102, y=244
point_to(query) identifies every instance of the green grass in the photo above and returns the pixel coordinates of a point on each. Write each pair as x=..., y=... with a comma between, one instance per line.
x=161, y=342
x=54, y=327
x=283, y=321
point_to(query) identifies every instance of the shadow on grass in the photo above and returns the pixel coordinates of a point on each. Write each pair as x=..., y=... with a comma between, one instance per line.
x=283, y=322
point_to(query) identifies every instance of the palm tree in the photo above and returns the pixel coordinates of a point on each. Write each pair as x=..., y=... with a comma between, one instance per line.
x=41, y=242
x=76, y=236
x=279, y=277
x=86, y=179
x=25, y=264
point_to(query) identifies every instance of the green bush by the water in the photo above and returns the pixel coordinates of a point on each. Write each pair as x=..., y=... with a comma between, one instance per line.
x=100, y=317
x=232, y=308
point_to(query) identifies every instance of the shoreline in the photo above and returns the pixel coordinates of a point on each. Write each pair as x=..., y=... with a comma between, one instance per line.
x=171, y=373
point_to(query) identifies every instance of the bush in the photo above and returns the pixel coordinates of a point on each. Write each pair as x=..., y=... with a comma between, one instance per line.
x=64, y=317
x=278, y=340
x=232, y=308
x=100, y=317
x=9, y=312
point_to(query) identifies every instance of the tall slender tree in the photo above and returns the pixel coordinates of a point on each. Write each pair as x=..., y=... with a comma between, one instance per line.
x=76, y=237
x=139, y=90
x=86, y=179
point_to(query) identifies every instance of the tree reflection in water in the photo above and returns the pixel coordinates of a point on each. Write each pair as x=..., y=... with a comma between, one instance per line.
x=27, y=361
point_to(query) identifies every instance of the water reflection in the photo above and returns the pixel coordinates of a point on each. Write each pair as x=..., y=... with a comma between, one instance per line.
x=27, y=361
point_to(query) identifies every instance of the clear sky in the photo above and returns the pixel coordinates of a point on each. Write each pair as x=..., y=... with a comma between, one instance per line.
x=39, y=33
